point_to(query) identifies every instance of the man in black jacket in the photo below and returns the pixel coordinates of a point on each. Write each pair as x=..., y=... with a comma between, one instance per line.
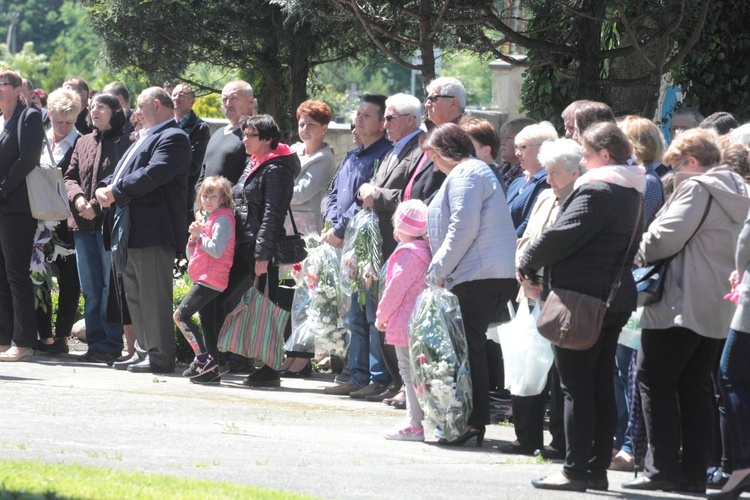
x=199, y=132
x=151, y=181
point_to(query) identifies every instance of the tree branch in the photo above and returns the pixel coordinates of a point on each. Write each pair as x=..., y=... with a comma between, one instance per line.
x=515, y=37
x=631, y=35
x=688, y=46
x=378, y=43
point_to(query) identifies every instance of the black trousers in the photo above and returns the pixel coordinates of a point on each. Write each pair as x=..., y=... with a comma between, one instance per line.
x=674, y=377
x=478, y=300
x=67, y=300
x=17, y=316
x=528, y=416
x=589, y=401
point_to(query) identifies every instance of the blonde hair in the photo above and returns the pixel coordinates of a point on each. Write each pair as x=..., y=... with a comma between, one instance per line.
x=645, y=137
x=216, y=184
x=65, y=103
x=703, y=144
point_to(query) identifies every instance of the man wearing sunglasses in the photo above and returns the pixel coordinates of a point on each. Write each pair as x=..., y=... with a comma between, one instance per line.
x=445, y=103
x=403, y=115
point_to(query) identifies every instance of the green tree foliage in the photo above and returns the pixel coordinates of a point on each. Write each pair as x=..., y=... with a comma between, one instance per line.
x=273, y=49
x=27, y=62
x=38, y=23
x=715, y=74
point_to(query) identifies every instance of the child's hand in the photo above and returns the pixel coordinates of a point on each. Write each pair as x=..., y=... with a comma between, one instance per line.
x=196, y=228
x=380, y=326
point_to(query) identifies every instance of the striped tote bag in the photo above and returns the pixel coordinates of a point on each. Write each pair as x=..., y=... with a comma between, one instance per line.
x=255, y=329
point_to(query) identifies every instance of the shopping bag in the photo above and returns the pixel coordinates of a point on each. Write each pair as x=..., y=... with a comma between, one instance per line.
x=255, y=329
x=630, y=336
x=527, y=356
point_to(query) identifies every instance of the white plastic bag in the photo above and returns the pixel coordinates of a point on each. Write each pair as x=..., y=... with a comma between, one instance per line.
x=630, y=336
x=527, y=355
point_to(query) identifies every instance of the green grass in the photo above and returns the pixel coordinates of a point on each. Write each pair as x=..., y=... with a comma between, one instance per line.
x=38, y=480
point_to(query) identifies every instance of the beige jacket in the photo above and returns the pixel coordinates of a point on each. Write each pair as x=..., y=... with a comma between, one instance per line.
x=542, y=215
x=697, y=278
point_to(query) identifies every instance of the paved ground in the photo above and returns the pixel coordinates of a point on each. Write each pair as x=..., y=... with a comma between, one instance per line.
x=294, y=438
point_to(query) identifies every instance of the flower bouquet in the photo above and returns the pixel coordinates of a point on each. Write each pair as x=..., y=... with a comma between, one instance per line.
x=47, y=247
x=317, y=304
x=362, y=255
x=439, y=361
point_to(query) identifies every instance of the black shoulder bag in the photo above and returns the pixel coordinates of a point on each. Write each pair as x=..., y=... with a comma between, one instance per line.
x=291, y=248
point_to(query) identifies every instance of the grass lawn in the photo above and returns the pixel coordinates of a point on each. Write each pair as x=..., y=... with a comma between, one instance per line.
x=37, y=480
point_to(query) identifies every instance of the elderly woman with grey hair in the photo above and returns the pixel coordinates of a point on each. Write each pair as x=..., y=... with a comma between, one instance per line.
x=561, y=159
x=523, y=192
x=63, y=108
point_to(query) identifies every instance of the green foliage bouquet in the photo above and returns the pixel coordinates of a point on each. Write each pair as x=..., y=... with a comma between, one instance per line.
x=362, y=255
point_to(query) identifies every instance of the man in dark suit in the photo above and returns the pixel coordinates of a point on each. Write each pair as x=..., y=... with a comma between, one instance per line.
x=78, y=85
x=403, y=114
x=151, y=181
x=199, y=132
x=445, y=103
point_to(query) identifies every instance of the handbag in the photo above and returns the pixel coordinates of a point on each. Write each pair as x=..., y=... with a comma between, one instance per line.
x=649, y=280
x=255, y=329
x=45, y=188
x=573, y=320
x=291, y=248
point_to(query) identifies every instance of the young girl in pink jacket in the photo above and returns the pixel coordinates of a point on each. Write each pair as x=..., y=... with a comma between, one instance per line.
x=404, y=281
x=210, y=250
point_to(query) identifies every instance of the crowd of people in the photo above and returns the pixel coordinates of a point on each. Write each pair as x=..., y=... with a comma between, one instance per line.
x=576, y=212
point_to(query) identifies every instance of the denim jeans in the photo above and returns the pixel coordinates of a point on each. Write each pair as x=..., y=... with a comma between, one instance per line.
x=735, y=384
x=365, y=358
x=93, y=273
x=623, y=435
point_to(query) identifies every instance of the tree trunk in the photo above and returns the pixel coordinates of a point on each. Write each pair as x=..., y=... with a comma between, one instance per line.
x=426, y=43
x=299, y=65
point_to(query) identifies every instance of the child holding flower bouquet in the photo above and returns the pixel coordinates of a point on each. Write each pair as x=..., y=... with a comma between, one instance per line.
x=405, y=280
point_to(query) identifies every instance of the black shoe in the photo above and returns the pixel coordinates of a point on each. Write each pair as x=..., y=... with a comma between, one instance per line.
x=263, y=377
x=598, y=484
x=399, y=405
x=389, y=392
x=59, y=346
x=743, y=485
x=559, y=482
x=223, y=368
x=240, y=364
x=645, y=483
x=305, y=372
x=207, y=377
x=691, y=487
x=99, y=357
x=517, y=449
x=146, y=366
x=471, y=433
x=123, y=365
x=549, y=453
x=197, y=368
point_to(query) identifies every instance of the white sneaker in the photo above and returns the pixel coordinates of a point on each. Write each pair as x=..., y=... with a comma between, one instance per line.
x=408, y=433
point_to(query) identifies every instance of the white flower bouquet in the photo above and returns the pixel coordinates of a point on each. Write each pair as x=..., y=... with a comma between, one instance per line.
x=362, y=254
x=318, y=303
x=47, y=247
x=439, y=361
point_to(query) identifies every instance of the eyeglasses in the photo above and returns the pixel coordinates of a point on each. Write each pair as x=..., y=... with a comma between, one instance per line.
x=247, y=136
x=390, y=118
x=5, y=84
x=434, y=98
x=525, y=147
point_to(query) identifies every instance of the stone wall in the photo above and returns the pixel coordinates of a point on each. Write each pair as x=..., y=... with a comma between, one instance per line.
x=339, y=135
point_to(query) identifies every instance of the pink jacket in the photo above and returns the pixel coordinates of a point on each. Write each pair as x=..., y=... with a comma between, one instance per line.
x=203, y=268
x=405, y=279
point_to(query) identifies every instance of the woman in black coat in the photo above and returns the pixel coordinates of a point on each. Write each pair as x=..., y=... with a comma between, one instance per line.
x=265, y=190
x=18, y=156
x=584, y=251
